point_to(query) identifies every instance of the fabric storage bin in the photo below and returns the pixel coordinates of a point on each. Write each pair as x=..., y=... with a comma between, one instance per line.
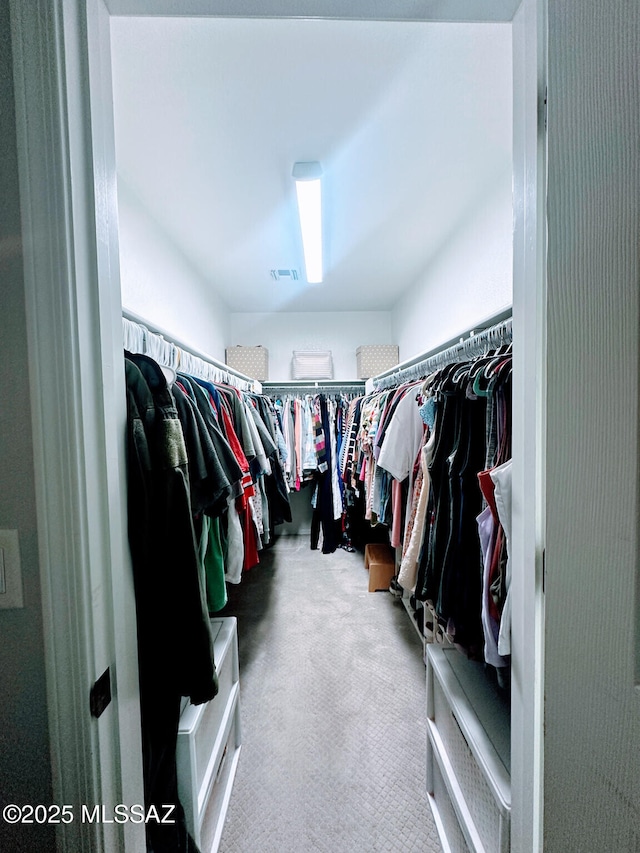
x=252, y=361
x=312, y=364
x=376, y=358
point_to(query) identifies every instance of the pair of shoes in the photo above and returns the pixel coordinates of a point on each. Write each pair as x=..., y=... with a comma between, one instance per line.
x=395, y=589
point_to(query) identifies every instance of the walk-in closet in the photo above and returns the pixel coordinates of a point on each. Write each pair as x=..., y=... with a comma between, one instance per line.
x=317, y=547
x=350, y=380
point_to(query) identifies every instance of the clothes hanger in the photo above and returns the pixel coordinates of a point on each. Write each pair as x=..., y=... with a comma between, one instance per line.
x=169, y=374
x=480, y=362
x=495, y=363
x=454, y=374
x=460, y=376
x=429, y=381
x=503, y=370
x=445, y=372
x=478, y=388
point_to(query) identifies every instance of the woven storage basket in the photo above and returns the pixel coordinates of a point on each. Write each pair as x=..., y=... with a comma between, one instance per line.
x=376, y=358
x=252, y=361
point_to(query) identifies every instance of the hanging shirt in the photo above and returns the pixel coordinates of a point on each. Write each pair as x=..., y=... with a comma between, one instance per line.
x=501, y=477
x=212, y=557
x=333, y=445
x=174, y=633
x=309, y=461
x=402, y=442
x=409, y=565
x=403, y=438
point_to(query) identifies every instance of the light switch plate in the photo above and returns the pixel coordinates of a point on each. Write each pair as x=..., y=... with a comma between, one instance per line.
x=10, y=571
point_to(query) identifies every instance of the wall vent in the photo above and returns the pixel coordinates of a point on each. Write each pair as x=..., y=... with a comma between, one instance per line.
x=291, y=275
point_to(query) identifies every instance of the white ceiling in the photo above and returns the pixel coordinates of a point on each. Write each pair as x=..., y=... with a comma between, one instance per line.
x=411, y=122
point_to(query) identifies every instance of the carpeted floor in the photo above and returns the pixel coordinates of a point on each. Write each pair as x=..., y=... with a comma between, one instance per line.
x=332, y=692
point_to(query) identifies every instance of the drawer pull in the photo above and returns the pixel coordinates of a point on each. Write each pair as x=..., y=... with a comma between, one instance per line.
x=221, y=765
x=455, y=720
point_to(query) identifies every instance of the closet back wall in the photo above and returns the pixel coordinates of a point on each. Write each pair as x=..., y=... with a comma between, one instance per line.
x=341, y=332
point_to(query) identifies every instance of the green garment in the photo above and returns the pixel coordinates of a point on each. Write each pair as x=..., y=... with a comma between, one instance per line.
x=213, y=560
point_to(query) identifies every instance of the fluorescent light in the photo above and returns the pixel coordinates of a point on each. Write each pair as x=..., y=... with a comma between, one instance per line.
x=307, y=177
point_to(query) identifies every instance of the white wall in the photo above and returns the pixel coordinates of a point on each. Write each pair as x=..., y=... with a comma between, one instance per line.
x=342, y=333
x=469, y=280
x=25, y=769
x=161, y=284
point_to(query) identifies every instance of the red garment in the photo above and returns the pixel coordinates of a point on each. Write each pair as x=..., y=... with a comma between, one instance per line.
x=238, y=452
x=234, y=441
x=251, y=557
x=396, y=510
x=487, y=486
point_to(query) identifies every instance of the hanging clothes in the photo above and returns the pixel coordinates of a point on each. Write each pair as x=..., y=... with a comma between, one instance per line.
x=501, y=477
x=173, y=624
x=236, y=473
x=314, y=430
x=175, y=647
x=415, y=532
x=462, y=553
x=421, y=453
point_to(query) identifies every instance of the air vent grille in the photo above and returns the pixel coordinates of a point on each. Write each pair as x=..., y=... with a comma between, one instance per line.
x=284, y=275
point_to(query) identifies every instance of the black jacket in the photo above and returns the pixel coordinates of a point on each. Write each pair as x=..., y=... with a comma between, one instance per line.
x=174, y=634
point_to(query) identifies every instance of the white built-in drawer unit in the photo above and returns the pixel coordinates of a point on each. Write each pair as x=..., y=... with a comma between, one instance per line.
x=209, y=744
x=468, y=754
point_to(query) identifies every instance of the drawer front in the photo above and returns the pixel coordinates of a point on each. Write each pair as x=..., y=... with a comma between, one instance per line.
x=478, y=796
x=211, y=720
x=445, y=812
x=215, y=813
x=203, y=728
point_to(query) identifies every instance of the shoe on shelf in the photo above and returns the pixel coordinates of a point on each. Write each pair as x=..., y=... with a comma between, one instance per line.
x=395, y=589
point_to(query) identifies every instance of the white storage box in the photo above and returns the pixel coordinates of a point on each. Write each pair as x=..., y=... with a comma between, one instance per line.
x=468, y=754
x=252, y=361
x=209, y=744
x=213, y=819
x=376, y=358
x=442, y=808
x=312, y=364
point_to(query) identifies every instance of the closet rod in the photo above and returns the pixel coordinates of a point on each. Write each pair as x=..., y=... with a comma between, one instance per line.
x=313, y=386
x=478, y=340
x=171, y=338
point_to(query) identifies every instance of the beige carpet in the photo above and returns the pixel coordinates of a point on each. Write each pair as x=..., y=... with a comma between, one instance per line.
x=332, y=692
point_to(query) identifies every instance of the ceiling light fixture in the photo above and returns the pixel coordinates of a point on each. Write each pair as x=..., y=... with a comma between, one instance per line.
x=307, y=177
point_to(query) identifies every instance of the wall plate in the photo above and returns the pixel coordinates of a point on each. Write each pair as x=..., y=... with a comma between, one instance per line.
x=10, y=571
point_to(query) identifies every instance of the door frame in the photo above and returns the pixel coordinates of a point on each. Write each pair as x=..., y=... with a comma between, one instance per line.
x=70, y=236
x=74, y=328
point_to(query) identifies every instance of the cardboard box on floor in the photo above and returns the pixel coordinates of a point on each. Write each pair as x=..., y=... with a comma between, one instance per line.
x=380, y=560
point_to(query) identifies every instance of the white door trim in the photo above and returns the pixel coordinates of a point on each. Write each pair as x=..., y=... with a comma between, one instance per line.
x=529, y=419
x=77, y=390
